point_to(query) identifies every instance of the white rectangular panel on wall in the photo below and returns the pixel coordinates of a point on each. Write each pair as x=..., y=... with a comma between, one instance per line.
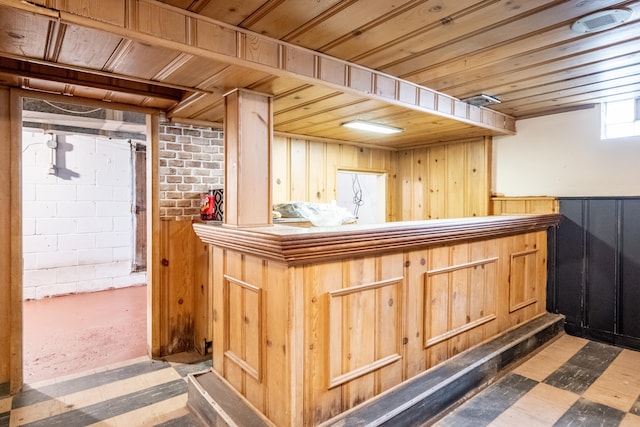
x=363, y=194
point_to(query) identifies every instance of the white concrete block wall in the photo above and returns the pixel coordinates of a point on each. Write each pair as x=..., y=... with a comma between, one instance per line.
x=77, y=225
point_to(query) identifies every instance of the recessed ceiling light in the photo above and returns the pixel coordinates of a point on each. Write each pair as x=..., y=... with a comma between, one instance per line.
x=372, y=127
x=601, y=21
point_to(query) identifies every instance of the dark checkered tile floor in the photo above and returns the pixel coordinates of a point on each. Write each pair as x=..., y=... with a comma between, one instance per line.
x=140, y=392
x=572, y=382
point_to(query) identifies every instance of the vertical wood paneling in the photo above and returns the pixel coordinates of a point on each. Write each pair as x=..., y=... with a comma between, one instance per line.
x=202, y=292
x=278, y=349
x=253, y=324
x=307, y=170
x=435, y=313
x=10, y=243
x=602, y=265
x=333, y=160
x=247, y=156
x=458, y=300
x=317, y=171
x=6, y=185
x=155, y=320
x=629, y=297
x=597, y=255
x=456, y=173
x=365, y=324
x=185, y=289
x=443, y=181
x=437, y=183
x=523, y=205
x=298, y=170
x=405, y=183
x=232, y=331
x=478, y=178
x=318, y=281
x=432, y=182
x=415, y=270
x=419, y=200
x=281, y=185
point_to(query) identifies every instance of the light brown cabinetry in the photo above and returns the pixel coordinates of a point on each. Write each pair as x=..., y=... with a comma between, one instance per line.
x=308, y=323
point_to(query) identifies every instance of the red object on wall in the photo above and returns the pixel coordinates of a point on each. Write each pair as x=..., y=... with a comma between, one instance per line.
x=207, y=206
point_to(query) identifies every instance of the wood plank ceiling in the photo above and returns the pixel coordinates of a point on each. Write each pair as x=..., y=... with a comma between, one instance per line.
x=403, y=63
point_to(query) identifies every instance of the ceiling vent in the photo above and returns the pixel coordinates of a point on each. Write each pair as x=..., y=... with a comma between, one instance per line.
x=481, y=100
x=601, y=21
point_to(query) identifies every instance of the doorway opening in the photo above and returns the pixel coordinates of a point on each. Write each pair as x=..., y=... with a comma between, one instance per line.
x=84, y=237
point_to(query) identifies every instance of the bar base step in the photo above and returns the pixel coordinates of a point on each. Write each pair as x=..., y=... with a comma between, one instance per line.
x=412, y=403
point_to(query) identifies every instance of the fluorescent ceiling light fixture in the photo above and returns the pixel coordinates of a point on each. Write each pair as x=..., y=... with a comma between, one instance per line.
x=372, y=127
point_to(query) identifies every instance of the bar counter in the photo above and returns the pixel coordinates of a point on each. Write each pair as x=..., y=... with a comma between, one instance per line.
x=309, y=322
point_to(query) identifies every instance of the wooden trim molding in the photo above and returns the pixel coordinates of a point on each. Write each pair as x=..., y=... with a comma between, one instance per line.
x=295, y=245
x=236, y=347
x=522, y=277
x=167, y=26
x=343, y=306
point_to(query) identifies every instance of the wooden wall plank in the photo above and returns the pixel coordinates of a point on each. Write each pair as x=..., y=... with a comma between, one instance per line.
x=156, y=320
x=179, y=244
x=524, y=205
x=456, y=179
x=437, y=183
x=231, y=308
x=414, y=318
x=277, y=351
x=316, y=172
x=253, y=325
x=10, y=243
x=298, y=171
x=318, y=280
x=280, y=169
x=5, y=241
x=478, y=178
x=404, y=185
x=423, y=183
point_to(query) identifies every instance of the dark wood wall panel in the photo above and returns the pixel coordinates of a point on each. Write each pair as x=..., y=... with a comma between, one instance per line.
x=594, y=277
x=630, y=269
x=601, y=266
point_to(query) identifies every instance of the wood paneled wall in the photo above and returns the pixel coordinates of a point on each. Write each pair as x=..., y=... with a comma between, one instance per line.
x=595, y=276
x=304, y=170
x=184, y=289
x=524, y=205
x=304, y=343
x=445, y=181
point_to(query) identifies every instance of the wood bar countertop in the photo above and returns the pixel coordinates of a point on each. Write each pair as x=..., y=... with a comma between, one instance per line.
x=298, y=245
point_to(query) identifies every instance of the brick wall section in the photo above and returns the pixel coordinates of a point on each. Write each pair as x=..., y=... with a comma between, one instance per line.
x=191, y=161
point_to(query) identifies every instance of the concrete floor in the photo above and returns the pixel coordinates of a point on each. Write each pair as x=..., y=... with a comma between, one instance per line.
x=75, y=333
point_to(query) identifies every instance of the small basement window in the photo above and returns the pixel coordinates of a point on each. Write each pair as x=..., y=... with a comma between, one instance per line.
x=621, y=119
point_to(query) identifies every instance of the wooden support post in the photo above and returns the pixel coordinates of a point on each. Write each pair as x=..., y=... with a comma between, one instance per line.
x=248, y=131
x=10, y=243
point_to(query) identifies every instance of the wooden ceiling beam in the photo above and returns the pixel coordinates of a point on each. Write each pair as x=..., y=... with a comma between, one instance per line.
x=46, y=72
x=164, y=26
